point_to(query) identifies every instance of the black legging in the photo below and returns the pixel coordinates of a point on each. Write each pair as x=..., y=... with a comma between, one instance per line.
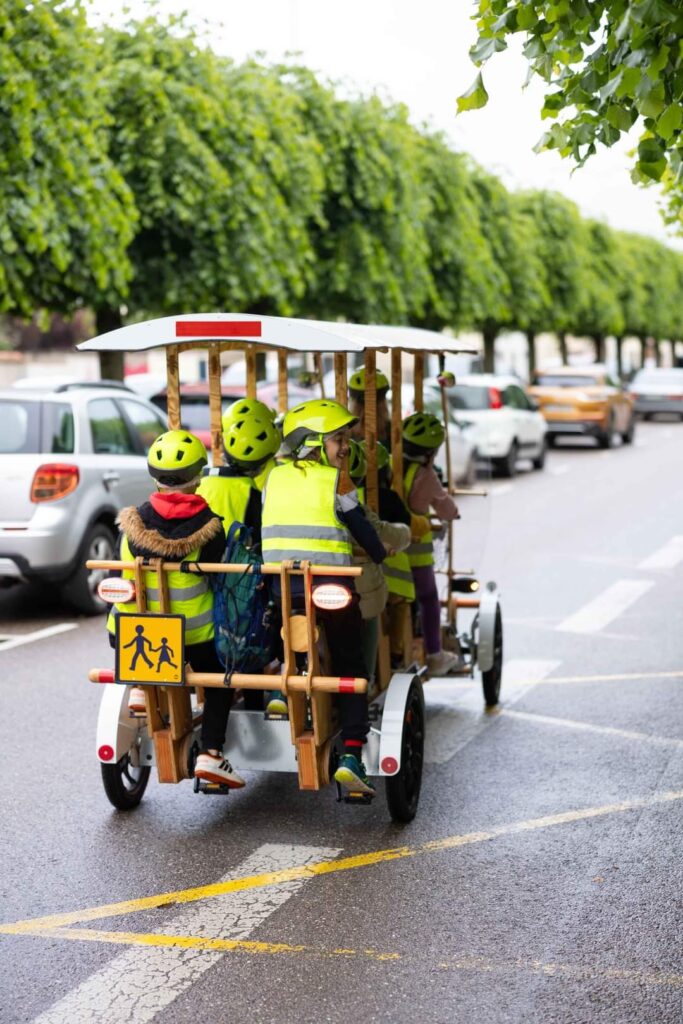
x=217, y=700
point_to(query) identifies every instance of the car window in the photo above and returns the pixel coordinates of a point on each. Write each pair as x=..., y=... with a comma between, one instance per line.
x=57, y=432
x=564, y=380
x=146, y=424
x=20, y=426
x=110, y=435
x=465, y=396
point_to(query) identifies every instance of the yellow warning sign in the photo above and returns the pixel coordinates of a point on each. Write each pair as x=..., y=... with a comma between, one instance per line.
x=150, y=649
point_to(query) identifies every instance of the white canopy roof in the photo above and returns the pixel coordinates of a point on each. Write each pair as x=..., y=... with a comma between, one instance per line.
x=270, y=332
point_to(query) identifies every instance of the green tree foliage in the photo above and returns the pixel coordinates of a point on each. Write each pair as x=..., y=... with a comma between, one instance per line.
x=66, y=215
x=609, y=65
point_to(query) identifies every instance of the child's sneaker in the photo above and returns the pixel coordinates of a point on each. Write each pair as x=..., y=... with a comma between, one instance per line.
x=444, y=662
x=277, y=705
x=216, y=768
x=136, y=701
x=351, y=775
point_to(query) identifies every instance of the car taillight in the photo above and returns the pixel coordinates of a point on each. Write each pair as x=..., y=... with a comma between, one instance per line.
x=116, y=590
x=331, y=597
x=54, y=480
x=495, y=399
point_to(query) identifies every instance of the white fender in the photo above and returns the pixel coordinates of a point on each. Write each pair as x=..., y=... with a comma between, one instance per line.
x=488, y=605
x=392, y=722
x=115, y=727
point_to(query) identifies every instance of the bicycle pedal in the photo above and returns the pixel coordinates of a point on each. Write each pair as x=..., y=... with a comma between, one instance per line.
x=210, y=788
x=358, y=798
x=275, y=717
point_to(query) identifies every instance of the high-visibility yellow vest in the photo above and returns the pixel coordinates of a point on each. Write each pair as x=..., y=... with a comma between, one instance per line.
x=299, y=519
x=226, y=495
x=397, y=572
x=420, y=552
x=189, y=595
x=261, y=478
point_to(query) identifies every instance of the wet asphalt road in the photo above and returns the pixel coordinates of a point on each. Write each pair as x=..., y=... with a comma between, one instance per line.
x=543, y=912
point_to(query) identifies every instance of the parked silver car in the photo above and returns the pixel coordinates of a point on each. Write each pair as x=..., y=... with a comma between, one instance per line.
x=70, y=459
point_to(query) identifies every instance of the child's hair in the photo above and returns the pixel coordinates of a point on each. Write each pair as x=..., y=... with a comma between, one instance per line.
x=417, y=452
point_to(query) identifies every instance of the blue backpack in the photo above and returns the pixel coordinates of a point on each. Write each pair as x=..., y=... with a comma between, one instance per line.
x=243, y=612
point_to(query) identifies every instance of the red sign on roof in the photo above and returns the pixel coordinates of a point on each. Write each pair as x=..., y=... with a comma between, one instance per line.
x=218, y=329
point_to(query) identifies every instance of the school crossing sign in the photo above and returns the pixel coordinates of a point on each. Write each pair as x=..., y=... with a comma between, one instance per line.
x=150, y=649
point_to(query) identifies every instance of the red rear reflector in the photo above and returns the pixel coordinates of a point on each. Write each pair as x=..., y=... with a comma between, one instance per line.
x=495, y=398
x=105, y=675
x=54, y=480
x=116, y=590
x=389, y=765
x=347, y=687
x=218, y=329
x=106, y=753
x=331, y=596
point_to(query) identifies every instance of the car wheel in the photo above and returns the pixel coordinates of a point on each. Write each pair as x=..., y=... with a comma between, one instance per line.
x=470, y=477
x=627, y=436
x=80, y=590
x=507, y=466
x=539, y=461
x=551, y=440
x=606, y=437
x=648, y=416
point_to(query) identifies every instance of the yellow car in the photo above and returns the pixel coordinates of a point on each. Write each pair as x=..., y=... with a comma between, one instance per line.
x=584, y=401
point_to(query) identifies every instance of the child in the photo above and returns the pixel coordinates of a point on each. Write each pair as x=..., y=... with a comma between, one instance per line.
x=357, y=404
x=176, y=524
x=423, y=435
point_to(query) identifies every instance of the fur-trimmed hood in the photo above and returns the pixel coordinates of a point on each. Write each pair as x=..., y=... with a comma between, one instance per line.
x=150, y=540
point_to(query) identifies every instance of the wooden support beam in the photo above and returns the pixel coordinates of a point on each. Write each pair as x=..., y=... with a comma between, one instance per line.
x=318, y=359
x=250, y=356
x=341, y=390
x=173, y=388
x=215, y=406
x=282, y=383
x=418, y=381
x=370, y=406
x=396, y=422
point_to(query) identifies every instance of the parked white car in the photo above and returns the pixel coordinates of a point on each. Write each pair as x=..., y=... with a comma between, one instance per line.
x=505, y=423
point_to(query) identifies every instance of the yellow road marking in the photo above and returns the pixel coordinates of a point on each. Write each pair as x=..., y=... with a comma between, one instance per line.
x=612, y=678
x=459, y=963
x=609, y=730
x=330, y=866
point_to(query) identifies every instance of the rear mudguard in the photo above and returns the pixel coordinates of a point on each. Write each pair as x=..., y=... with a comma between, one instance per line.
x=391, y=732
x=489, y=602
x=115, y=727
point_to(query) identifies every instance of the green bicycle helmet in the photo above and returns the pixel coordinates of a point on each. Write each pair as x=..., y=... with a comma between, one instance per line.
x=245, y=407
x=176, y=457
x=307, y=424
x=357, y=384
x=423, y=432
x=358, y=463
x=383, y=457
x=250, y=440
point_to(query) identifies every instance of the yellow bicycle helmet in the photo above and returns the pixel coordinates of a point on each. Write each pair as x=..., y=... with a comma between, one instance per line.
x=245, y=407
x=383, y=456
x=306, y=425
x=250, y=440
x=357, y=384
x=176, y=457
x=423, y=432
x=358, y=463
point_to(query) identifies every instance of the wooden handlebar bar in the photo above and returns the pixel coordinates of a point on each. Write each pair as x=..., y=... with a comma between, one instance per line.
x=268, y=568
x=243, y=681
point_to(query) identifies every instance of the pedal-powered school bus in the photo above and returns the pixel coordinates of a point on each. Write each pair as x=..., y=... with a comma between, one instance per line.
x=166, y=736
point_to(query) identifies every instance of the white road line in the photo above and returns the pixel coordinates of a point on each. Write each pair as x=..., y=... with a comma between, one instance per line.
x=500, y=489
x=559, y=470
x=568, y=723
x=606, y=607
x=455, y=718
x=38, y=634
x=666, y=557
x=137, y=985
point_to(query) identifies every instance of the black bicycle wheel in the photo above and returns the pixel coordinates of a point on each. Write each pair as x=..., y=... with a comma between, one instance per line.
x=124, y=783
x=403, y=789
x=491, y=679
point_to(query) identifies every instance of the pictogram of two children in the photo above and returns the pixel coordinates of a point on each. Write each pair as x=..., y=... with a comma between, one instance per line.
x=140, y=641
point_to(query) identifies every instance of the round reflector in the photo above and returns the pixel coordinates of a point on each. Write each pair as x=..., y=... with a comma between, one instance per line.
x=389, y=765
x=106, y=753
x=331, y=597
x=116, y=590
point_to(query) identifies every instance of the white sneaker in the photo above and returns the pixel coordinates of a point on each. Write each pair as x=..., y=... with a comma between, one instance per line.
x=442, y=663
x=216, y=768
x=136, y=701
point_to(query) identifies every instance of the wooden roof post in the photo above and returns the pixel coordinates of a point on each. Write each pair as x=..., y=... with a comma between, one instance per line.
x=250, y=356
x=370, y=406
x=173, y=388
x=215, y=406
x=318, y=359
x=396, y=422
x=282, y=398
x=340, y=386
x=418, y=381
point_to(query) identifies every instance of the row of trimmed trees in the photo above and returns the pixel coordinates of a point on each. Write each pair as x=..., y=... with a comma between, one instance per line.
x=139, y=168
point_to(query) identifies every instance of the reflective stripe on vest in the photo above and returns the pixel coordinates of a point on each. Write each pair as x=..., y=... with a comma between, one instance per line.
x=421, y=552
x=226, y=496
x=188, y=594
x=299, y=519
x=399, y=576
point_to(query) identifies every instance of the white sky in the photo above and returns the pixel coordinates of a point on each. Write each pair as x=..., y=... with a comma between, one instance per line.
x=417, y=53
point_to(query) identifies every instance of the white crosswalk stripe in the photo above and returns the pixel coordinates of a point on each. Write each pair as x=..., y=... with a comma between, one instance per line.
x=606, y=607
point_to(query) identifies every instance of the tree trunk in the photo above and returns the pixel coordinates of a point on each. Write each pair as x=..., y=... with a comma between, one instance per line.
x=657, y=352
x=111, y=363
x=562, y=338
x=599, y=340
x=643, y=350
x=489, y=332
x=531, y=352
x=620, y=358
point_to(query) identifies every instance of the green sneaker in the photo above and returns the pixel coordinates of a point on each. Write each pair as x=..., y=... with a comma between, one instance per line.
x=352, y=776
x=277, y=705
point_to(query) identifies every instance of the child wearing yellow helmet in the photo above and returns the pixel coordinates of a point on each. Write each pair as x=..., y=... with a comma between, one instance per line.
x=423, y=435
x=357, y=403
x=311, y=511
x=176, y=524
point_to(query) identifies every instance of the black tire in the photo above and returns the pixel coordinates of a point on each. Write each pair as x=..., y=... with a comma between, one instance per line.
x=124, y=784
x=470, y=477
x=539, y=461
x=648, y=416
x=627, y=436
x=551, y=440
x=403, y=789
x=491, y=679
x=606, y=437
x=507, y=466
x=80, y=590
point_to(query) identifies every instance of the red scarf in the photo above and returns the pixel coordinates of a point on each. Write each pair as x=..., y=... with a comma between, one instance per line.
x=174, y=505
